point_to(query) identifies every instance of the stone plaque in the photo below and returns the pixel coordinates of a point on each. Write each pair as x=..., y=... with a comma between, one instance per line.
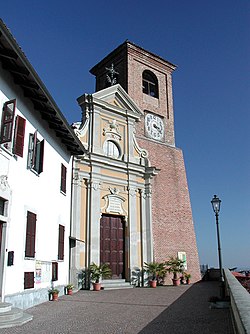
x=114, y=204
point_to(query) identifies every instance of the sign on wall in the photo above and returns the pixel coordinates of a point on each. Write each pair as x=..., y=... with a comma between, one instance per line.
x=43, y=272
x=182, y=256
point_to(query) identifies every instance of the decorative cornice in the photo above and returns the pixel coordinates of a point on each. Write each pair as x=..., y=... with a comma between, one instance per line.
x=112, y=130
x=147, y=193
x=132, y=190
x=95, y=185
x=81, y=128
x=4, y=182
x=142, y=152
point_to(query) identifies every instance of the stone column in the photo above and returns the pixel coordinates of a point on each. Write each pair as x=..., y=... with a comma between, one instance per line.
x=133, y=234
x=94, y=221
x=146, y=222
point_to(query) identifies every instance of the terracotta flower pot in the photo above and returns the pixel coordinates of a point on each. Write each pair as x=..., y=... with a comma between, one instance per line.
x=55, y=296
x=153, y=283
x=176, y=282
x=96, y=286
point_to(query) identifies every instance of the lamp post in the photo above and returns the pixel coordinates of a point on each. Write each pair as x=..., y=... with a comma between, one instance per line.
x=216, y=207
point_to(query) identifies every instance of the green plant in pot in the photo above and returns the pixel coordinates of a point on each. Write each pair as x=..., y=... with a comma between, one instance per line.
x=175, y=266
x=54, y=293
x=69, y=289
x=187, y=277
x=155, y=270
x=98, y=272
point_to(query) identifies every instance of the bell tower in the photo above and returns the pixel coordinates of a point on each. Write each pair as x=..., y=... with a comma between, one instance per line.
x=147, y=78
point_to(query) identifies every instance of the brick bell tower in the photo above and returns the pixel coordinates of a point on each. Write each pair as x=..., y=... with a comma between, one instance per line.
x=147, y=78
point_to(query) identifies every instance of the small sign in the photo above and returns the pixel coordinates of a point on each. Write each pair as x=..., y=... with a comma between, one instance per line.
x=182, y=256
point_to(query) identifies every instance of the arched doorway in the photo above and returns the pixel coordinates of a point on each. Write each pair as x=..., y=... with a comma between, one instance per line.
x=112, y=244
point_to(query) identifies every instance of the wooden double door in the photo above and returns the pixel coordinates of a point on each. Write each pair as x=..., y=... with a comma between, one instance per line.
x=112, y=244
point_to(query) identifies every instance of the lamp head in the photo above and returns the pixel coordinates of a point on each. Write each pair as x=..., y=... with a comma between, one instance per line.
x=216, y=204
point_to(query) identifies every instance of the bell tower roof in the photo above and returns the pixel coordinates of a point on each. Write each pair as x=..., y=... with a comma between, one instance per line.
x=124, y=48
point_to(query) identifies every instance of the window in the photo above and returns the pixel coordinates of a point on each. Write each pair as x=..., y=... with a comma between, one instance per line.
x=54, y=271
x=150, y=84
x=7, y=121
x=2, y=206
x=36, y=152
x=29, y=280
x=63, y=178
x=111, y=149
x=30, y=235
x=6, y=136
x=61, y=242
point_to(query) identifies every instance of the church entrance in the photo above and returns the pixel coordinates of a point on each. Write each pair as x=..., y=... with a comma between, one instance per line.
x=112, y=247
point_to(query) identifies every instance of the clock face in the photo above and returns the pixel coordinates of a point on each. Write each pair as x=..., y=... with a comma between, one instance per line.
x=154, y=126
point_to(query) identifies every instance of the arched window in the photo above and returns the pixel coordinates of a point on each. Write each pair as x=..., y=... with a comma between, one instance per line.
x=149, y=84
x=111, y=149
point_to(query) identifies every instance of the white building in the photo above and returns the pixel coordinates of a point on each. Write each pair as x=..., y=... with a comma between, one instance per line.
x=36, y=148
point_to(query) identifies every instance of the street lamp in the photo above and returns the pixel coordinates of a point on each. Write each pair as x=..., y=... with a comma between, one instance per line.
x=216, y=207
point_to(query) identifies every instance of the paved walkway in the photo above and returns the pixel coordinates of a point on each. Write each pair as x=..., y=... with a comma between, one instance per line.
x=176, y=310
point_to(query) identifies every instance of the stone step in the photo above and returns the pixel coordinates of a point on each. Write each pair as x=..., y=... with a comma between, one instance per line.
x=17, y=322
x=116, y=284
x=5, y=307
x=12, y=316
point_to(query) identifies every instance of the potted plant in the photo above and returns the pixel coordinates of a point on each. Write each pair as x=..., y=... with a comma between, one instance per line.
x=187, y=277
x=69, y=289
x=175, y=266
x=98, y=272
x=54, y=293
x=155, y=270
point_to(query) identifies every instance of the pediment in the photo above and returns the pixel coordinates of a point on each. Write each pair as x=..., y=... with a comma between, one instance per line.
x=116, y=96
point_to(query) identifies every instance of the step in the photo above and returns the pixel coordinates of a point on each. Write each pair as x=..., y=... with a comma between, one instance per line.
x=12, y=316
x=116, y=284
x=5, y=307
x=17, y=322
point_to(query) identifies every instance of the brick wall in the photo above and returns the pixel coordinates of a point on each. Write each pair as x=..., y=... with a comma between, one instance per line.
x=173, y=229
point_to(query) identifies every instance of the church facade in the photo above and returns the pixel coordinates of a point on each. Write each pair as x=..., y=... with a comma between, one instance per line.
x=130, y=194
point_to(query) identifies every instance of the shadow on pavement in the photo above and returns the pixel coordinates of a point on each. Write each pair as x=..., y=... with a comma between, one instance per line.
x=191, y=314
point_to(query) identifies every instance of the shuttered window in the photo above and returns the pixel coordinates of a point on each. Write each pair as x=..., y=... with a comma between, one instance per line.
x=29, y=280
x=61, y=242
x=30, y=235
x=54, y=271
x=63, y=178
x=19, y=136
x=36, y=153
x=7, y=121
x=2, y=208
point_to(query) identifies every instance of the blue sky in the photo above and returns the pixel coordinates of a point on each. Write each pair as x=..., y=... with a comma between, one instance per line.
x=209, y=41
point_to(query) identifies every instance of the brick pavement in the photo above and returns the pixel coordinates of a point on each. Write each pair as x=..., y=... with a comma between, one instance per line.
x=184, y=309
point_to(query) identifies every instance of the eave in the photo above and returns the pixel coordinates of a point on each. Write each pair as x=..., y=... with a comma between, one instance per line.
x=15, y=62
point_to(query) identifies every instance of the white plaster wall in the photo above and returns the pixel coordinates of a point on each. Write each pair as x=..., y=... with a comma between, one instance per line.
x=39, y=194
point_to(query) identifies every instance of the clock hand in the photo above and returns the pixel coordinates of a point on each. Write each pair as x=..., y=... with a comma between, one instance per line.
x=156, y=127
